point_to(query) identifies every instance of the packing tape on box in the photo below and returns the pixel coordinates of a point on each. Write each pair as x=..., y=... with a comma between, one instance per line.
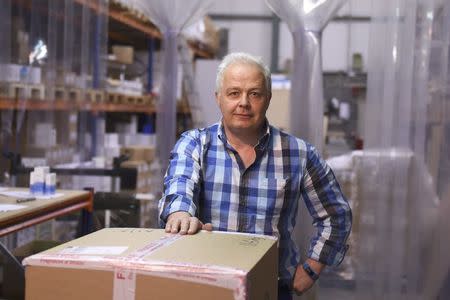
x=125, y=278
x=124, y=287
x=153, y=246
x=127, y=267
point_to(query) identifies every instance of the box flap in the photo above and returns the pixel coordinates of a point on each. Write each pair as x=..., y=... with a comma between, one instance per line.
x=240, y=251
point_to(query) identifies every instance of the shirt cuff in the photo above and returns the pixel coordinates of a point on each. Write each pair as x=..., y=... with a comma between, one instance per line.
x=178, y=203
x=328, y=255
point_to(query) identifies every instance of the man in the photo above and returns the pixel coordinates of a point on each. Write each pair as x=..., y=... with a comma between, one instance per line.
x=244, y=175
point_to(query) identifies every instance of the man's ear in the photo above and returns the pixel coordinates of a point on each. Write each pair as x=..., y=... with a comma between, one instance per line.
x=269, y=97
x=217, y=98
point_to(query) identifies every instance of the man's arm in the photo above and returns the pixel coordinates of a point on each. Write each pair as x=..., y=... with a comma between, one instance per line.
x=331, y=215
x=178, y=206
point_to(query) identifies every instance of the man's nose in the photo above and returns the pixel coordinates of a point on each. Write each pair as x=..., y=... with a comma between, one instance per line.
x=244, y=101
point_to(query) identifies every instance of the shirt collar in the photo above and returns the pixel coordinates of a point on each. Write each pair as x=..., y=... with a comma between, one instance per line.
x=262, y=142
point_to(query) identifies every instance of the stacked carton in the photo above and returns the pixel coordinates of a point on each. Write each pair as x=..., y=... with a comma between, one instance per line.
x=139, y=153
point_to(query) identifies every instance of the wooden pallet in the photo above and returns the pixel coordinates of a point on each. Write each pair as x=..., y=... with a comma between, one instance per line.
x=7, y=90
x=22, y=91
x=148, y=100
x=115, y=98
x=57, y=93
x=133, y=99
x=64, y=93
x=37, y=91
x=95, y=96
x=129, y=99
x=74, y=95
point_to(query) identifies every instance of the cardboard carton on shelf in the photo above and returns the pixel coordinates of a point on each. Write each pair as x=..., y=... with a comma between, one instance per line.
x=204, y=34
x=123, y=54
x=139, y=153
x=137, y=263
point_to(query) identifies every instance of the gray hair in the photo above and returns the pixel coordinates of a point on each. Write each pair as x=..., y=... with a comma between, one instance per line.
x=245, y=58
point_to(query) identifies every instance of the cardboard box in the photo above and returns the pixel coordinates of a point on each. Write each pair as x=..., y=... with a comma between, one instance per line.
x=205, y=33
x=139, y=153
x=123, y=54
x=279, y=114
x=137, y=263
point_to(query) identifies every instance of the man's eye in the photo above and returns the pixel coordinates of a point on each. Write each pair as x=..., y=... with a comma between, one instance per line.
x=255, y=95
x=233, y=94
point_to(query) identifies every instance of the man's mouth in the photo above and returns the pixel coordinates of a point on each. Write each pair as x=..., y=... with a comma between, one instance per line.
x=243, y=116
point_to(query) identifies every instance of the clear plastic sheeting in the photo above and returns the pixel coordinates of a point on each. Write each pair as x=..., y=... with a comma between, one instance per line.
x=52, y=54
x=190, y=86
x=306, y=20
x=399, y=241
x=171, y=16
x=204, y=32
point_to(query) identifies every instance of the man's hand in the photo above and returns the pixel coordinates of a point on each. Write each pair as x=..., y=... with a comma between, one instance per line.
x=302, y=281
x=183, y=223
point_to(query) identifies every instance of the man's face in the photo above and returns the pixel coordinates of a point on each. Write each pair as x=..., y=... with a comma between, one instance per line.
x=243, y=98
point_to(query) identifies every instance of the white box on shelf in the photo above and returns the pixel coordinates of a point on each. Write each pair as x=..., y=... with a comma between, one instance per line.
x=126, y=87
x=20, y=73
x=44, y=135
x=111, y=140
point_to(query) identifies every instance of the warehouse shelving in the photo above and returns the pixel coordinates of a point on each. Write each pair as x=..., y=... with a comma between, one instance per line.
x=123, y=16
x=137, y=24
x=126, y=28
x=63, y=105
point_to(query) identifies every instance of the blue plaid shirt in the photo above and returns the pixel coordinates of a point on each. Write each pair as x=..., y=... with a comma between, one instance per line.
x=207, y=178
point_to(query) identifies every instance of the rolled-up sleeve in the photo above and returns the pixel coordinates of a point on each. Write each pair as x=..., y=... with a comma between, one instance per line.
x=181, y=182
x=330, y=210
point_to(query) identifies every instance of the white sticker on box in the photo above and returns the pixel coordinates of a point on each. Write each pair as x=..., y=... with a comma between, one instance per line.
x=80, y=250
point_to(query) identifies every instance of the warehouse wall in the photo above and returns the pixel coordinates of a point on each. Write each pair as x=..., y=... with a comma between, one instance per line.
x=340, y=39
x=249, y=36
